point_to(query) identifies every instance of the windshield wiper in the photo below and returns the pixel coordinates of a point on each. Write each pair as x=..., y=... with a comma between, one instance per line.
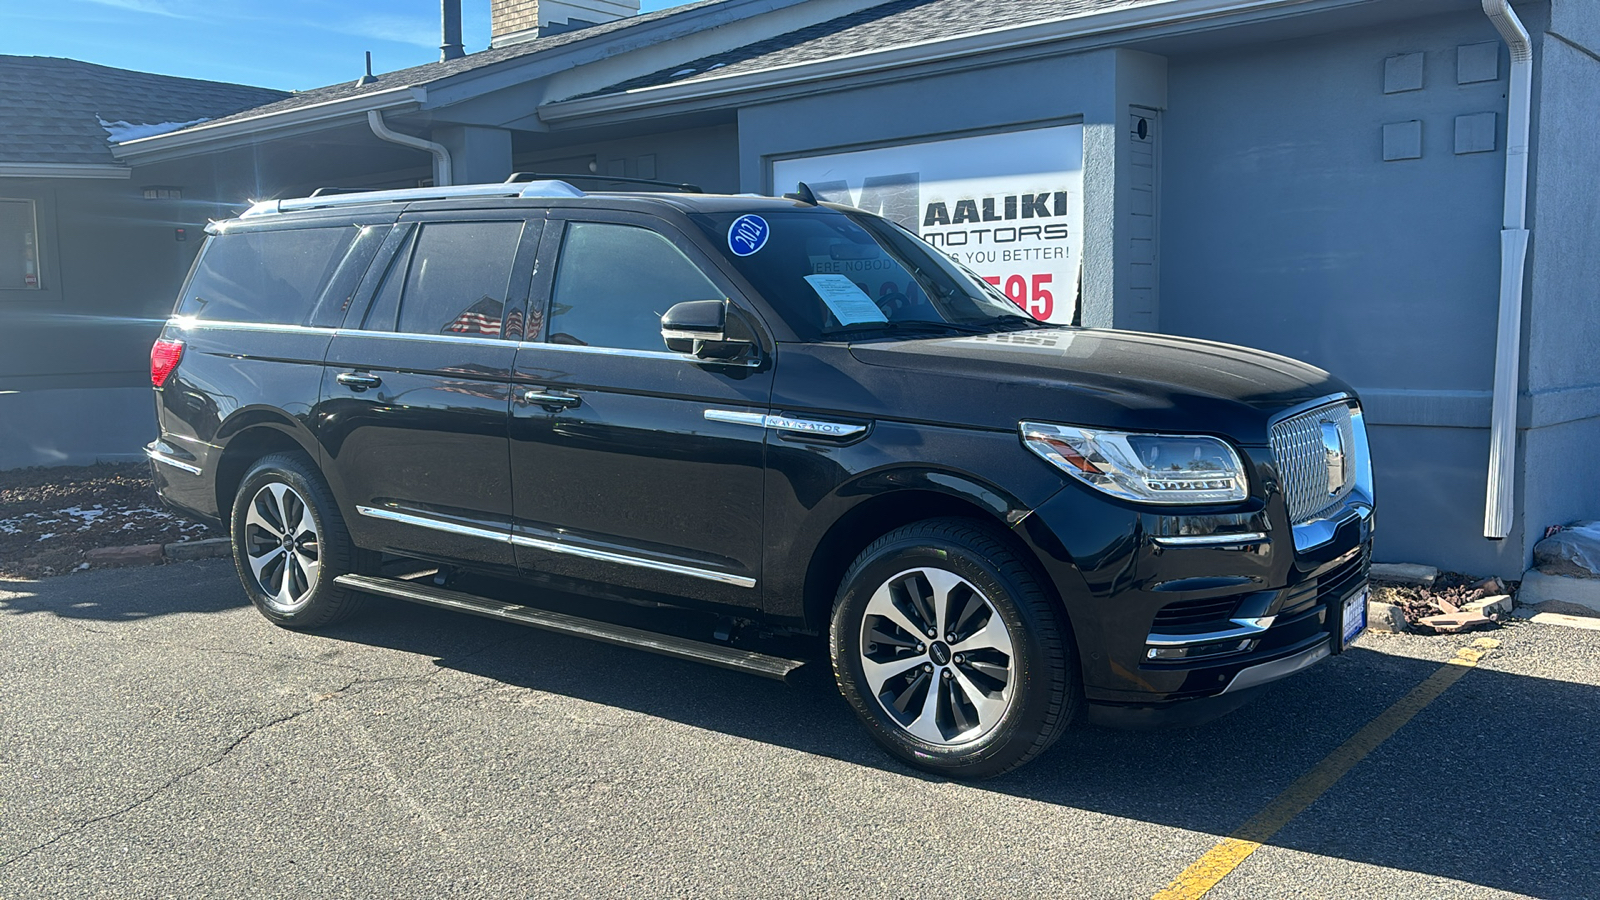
x=914, y=326
x=1017, y=323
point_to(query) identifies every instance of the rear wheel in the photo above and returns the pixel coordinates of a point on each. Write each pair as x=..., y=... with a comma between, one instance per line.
x=950, y=651
x=290, y=543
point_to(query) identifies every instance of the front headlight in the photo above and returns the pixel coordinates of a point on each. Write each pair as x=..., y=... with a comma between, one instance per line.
x=1147, y=468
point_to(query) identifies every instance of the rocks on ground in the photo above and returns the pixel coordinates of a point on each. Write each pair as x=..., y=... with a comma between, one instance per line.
x=1448, y=602
x=50, y=518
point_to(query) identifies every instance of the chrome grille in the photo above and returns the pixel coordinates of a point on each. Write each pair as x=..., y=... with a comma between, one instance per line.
x=1304, y=461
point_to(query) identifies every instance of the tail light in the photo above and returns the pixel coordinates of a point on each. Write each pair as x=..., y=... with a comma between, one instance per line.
x=164, y=357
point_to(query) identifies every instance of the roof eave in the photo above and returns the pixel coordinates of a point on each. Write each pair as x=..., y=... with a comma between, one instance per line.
x=253, y=129
x=63, y=170
x=1087, y=27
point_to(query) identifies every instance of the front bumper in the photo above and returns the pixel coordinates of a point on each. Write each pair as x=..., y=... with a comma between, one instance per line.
x=1163, y=624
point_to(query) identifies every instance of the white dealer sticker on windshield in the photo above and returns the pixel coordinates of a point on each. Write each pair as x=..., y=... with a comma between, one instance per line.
x=850, y=304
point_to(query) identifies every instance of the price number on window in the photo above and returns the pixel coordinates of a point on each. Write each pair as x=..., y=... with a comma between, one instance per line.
x=1031, y=292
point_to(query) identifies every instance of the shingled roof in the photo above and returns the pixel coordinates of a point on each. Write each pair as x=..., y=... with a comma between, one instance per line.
x=420, y=76
x=51, y=109
x=893, y=24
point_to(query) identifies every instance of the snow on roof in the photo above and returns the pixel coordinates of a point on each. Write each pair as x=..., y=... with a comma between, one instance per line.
x=130, y=131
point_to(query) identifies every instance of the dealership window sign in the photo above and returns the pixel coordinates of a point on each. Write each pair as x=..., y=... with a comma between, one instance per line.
x=1008, y=206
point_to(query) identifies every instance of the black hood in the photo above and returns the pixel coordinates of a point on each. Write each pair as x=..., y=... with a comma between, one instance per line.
x=1094, y=377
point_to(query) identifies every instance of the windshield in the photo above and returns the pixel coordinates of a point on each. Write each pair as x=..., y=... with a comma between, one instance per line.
x=841, y=276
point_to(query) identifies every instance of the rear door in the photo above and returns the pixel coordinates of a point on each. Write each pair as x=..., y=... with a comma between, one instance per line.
x=416, y=388
x=625, y=464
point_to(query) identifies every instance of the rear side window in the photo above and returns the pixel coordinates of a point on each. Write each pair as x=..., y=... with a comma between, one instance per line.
x=614, y=282
x=270, y=277
x=453, y=278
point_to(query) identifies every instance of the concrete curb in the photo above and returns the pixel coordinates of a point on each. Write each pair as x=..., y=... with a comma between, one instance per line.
x=156, y=554
x=210, y=548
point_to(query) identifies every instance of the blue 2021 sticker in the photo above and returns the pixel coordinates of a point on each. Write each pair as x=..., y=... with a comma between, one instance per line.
x=748, y=234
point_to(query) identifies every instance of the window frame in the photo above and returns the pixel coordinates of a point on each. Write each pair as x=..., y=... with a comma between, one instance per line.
x=711, y=269
x=319, y=289
x=400, y=247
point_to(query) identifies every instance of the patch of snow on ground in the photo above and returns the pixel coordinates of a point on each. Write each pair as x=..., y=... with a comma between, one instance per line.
x=120, y=132
x=87, y=515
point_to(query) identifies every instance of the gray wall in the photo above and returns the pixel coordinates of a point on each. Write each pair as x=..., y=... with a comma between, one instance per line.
x=1562, y=324
x=1284, y=228
x=74, y=355
x=708, y=157
x=110, y=269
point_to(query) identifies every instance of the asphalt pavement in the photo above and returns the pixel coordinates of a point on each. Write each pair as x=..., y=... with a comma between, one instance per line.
x=158, y=738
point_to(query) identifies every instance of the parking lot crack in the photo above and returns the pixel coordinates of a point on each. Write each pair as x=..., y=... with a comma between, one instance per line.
x=164, y=786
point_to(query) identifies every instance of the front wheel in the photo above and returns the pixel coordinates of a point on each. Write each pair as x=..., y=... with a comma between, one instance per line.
x=290, y=543
x=952, y=654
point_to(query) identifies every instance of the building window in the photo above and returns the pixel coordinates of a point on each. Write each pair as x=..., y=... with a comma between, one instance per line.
x=19, y=246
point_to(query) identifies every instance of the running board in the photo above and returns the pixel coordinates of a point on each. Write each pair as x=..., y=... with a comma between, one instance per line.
x=667, y=645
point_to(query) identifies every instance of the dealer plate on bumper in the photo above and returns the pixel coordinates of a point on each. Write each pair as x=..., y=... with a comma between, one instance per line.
x=1355, y=617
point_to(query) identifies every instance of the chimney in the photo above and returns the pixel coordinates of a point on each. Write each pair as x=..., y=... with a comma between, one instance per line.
x=450, y=21
x=515, y=21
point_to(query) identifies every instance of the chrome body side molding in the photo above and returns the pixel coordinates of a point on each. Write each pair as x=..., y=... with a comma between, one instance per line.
x=554, y=546
x=785, y=423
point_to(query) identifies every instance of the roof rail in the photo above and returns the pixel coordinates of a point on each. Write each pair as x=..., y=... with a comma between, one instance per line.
x=618, y=179
x=324, y=201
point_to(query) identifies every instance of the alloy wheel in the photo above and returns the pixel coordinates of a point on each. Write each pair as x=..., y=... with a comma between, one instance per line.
x=282, y=546
x=937, y=656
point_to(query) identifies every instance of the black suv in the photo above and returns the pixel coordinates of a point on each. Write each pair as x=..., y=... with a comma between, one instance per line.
x=791, y=417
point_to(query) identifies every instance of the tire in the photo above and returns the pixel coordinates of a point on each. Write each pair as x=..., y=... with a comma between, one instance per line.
x=291, y=580
x=977, y=706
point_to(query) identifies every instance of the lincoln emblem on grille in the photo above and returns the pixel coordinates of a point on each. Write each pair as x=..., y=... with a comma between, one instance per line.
x=1338, y=461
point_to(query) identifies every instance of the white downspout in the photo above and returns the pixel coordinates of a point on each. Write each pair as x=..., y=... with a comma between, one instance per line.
x=1501, y=500
x=441, y=156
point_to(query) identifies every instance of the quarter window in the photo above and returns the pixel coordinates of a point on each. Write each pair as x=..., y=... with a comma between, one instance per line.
x=270, y=277
x=19, y=246
x=613, y=284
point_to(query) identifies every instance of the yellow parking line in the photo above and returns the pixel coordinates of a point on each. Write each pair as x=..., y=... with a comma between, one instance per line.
x=1226, y=856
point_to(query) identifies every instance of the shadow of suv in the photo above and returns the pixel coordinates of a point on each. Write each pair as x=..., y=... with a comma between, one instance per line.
x=788, y=413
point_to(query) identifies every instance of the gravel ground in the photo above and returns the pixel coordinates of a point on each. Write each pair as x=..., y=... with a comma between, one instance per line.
x=50, y=516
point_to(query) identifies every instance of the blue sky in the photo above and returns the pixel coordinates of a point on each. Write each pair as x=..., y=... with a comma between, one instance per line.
x=286, y=44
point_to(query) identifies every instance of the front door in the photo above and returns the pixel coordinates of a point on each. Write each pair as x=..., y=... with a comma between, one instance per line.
x=417, y=389
x=620, y=475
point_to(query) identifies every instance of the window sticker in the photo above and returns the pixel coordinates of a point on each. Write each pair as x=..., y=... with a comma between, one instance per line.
x=849, y=303
x=748, y=234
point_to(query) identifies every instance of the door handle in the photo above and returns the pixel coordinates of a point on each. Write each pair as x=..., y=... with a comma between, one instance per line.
x=552, y=400
x=358, y=381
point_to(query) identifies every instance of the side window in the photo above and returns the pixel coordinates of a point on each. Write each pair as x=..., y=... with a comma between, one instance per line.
x=458, y=279
x=346, y=279
x=613, y=282
x=271, y=277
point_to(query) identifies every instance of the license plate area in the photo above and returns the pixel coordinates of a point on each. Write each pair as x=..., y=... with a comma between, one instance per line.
x=1353, y=618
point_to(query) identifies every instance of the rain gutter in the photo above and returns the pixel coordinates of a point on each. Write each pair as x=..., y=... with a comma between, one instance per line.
x=265, y=125
x=1500, y=500
x=62, y=170
x=442, y=175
